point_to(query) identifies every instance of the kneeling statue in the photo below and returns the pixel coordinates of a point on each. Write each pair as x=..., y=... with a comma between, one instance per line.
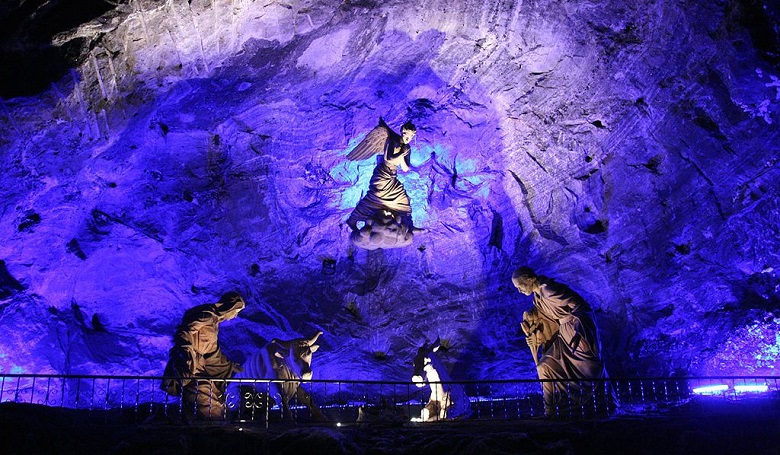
x=195, y=360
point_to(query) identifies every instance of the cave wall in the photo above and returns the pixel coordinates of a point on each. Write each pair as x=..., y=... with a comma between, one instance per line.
x=628, y=149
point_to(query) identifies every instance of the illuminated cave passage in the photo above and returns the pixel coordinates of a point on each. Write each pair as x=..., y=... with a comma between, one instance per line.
x=174, y=151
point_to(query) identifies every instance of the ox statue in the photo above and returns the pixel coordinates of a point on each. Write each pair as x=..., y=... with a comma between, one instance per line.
x=289, y=360
x=447, y=400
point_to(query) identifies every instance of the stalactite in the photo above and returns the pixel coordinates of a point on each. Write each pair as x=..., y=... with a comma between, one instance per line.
x=125, y=41
x=140, y=11
x=516, y=7
x=233, y=29
x=63, y=101
x=200, y=38
x=82, y=104
x=98, y=76
x=107, y=128
x=294, y=18
x=114, y=76
x=175, y=47
x=118, y=103
x=217, y=24
x=176, y=43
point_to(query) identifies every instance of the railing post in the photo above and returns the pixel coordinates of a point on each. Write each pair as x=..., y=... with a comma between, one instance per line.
x=121, y=397
x=165, y=405
x=62, y=393
x=108, y=394
x=48, y=391
x=408, y=400
x=92, y=394
x=151, y=399
x=338, y=399
x=181, y=399
x=492, y=404
x=32, y=390
x=267, y=403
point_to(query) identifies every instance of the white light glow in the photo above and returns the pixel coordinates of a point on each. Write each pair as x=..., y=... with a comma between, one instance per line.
x=710, y=389
x=756, y=388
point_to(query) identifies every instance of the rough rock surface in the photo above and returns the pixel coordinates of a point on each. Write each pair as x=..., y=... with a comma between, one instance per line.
x=184, y=149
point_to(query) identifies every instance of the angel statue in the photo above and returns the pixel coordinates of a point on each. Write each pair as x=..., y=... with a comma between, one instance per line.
x=385, y=210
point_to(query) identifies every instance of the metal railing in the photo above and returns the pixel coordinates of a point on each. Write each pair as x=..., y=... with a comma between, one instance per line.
x=137, y=399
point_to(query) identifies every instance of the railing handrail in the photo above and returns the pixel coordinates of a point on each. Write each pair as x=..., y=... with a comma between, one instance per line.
x=381, y=382
x=367, y=400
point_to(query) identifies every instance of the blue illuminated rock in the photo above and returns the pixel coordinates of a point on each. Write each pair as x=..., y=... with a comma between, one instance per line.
x=629, y=150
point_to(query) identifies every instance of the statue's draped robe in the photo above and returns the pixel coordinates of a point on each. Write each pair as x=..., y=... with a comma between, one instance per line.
x=574, y=353
x=385, y=191
x=196, y=354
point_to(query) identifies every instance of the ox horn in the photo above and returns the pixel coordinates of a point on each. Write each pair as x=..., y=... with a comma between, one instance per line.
x=281, y=344
x=313, y=339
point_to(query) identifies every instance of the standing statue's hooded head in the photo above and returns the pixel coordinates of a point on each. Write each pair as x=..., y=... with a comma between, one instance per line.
x=229, y=305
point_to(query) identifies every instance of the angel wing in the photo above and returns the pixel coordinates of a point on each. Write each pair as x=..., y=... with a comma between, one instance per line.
x=374, y=142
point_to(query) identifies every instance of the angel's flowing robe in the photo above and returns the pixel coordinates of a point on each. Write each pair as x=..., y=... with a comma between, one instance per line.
x=573, y=355
x=385, y=192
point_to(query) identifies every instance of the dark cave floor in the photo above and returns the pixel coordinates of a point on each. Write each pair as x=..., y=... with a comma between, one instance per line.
x=694, y=428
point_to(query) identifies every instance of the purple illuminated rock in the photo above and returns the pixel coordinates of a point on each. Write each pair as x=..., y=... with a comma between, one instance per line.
x=194, y=148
